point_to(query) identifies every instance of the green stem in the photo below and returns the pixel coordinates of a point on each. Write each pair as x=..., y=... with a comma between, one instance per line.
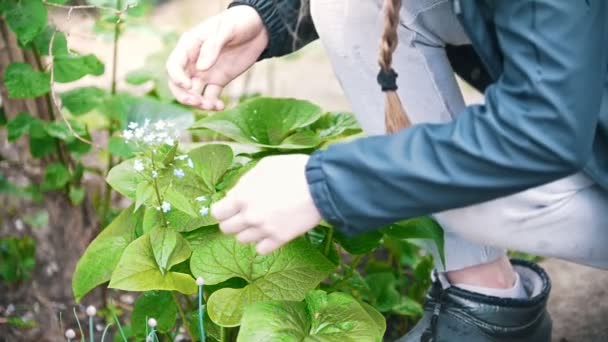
x=107, y=196
x=329, y=239
x=183, y=316
x=224, y=334
x=158, y=198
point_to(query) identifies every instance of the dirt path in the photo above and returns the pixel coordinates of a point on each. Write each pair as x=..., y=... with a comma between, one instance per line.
x=579, y=302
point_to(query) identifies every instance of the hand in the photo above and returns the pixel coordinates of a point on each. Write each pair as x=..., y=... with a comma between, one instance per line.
x=271, y=205
x=214, y=53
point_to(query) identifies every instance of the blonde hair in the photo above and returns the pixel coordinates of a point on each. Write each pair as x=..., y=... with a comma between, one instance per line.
x=395, y=117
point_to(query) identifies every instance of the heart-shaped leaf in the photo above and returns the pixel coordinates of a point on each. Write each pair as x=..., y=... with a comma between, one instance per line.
x=22, y=81
x=95, y=267
x=80, y=101
x=169, y=248
x=125, y=179
x=335, y=317
x=71, y=68
x=137, y=270
x=418, y=228
x=266, y=122
x=27, y=18
x=154, y=304
x=287, y=274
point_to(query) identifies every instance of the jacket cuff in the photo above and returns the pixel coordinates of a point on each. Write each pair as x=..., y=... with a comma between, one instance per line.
x=272, y=21
x=322, y=196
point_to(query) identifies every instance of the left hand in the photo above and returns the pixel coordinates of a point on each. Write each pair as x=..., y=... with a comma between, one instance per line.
x=270, y=205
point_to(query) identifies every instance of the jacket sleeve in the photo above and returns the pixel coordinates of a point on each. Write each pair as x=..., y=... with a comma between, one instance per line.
x=537, y=125
x=288, y=22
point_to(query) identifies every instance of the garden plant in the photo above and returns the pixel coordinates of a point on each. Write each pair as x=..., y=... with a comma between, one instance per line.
x=163, y=166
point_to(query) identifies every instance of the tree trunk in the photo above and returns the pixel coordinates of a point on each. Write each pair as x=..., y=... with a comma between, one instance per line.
x=59, y=244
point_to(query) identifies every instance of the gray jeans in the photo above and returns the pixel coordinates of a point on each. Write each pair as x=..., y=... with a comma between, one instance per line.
x=566, y=219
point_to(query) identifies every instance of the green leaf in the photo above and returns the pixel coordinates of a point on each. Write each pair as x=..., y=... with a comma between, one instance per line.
x=76, y=195
x=27, y=18
x=80, y=101
x=408, y=307
x=144, y=193
x=169, y=248
x=42, y=42
x=72, y=68
x=22, y=81
x=384, y=294
x=137, y=271
x=360, y=244
x=101, y=257
x=267, y=122
x=176, y=220
x=58, y=130
x=287, y=274
x=124, y=108
x=335, y=317
x=119, y=147
x=211, y=162
x=179, y=201
x=19, y=125
x=418, y=228
x=333, y=125
x=124, y=179
x=153, y=304
x=56, y=176
x=41, y=143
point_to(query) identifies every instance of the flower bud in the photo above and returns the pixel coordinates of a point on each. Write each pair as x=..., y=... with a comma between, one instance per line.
x=91, y=311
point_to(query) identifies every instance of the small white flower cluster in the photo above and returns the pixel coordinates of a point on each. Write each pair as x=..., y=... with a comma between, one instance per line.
x=158, y=133
x=165, y=207
x=204, y=211
x=188, y=160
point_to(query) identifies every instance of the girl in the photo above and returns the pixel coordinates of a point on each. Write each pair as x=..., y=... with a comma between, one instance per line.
x=527, y=170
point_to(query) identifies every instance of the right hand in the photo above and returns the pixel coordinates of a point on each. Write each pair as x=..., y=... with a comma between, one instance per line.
x=213, y=53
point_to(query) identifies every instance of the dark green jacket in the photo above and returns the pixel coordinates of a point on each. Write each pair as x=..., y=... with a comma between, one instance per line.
x=545, y=117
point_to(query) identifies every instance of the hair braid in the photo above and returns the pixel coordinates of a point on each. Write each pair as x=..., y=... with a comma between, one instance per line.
x=395, y=117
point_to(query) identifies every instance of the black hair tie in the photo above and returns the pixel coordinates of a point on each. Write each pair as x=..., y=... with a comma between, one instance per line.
x=387, y=79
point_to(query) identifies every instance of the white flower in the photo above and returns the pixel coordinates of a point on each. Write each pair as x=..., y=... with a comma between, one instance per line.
x=152, y=323
x=138, y=165
x=139, y=133
x=200, y=281
x=154, y=174
x=148, y=138
x=190, y=163
x=182, y=157
x=70, y=334
x=91, y=311
x=127, y=134
x=166, y=206
x=146, y=123
x=160, y=124
x=179, y=173
x=169, y=141
x=200, y=198
x=204, y=211
x=133, y=125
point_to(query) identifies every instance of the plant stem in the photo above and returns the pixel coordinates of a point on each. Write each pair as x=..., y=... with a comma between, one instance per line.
x=201, y=327
x=183, y=316
x=223, y=334
x=107, y=196
x=329, y=239
x=158, y=198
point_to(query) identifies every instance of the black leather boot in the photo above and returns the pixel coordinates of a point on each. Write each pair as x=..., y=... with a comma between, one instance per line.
x=456, y=315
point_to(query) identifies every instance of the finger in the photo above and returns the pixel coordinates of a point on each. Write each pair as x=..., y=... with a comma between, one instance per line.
x=233, y=225
x=211, y=48
x=250, y=235
x=267, y=246
x=183, y=96
x=211, y=97
x=226, y=208
x=178, y=60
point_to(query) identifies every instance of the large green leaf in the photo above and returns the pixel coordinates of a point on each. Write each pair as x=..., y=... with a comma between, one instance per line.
x=101, y=257
x=22, y=81
x=333, y=125
x=124, y=108
x=418, y=228
x=211, y=162
x=384, y=294
x=137, y=270
x=19, y=125
x=27, y=18
x=360, y=244
x=71, y=68
x=336, y=317
x=154, y=304
x=169, y=248
x=124, y=179
x=42, y=42
x=267, y=122
x=287, y=274
x=83, y=100
x=176, y=220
